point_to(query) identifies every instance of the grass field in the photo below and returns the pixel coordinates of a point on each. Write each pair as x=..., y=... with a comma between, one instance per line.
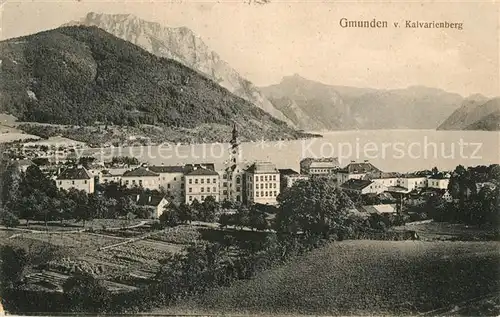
x=363, y=277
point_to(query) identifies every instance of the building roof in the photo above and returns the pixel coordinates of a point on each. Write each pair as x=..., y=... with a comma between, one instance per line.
x=287, y=171
x=439, y=176
x=167, y=169
x=356, y=184
x=139, y=172
x=381, y=175
x=320, y=162
x=412, y=175
x=262, y=168
x=150, y=200
x=398, y=189
x=25, y=162
x=190, y=167
x=380, y=209
x=359, y=168
x=74, y=173
x=202, y=172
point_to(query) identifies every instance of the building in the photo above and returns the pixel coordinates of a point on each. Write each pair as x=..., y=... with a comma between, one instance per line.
x=386, y=179
x=76, y=177
x=438, y=182
x=262, y=181
x=355, y=171
x=141, y=177
x=412, y=182
x=288, y=177
x=319, y=166
x=232, y=185
x=24, y=164
x=171, y=180
x=363, y=186
x=155, y=203
x=380, y=209
x=201, y=183
x=106, y=177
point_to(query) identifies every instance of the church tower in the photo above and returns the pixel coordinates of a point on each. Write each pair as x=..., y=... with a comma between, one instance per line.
x=232, y=171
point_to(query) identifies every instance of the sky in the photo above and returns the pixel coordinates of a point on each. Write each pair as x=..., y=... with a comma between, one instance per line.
x=266, y=42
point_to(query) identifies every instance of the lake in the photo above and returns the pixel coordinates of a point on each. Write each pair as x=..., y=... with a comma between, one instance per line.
x=389, y=150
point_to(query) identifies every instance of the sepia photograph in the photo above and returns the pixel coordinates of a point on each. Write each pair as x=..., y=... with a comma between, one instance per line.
x=249, y=158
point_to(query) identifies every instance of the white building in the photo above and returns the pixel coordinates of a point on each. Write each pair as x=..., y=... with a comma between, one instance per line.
x=319, y=166
x=201, y=183
x=262, y=183
x=385, y=179
x=355, y=171
x=76, y=177
x=363, y=186
x=171, y=180
x=141, y=177
x=288, y=177
x=156, y=204
x=412, y=182
x=438, y=182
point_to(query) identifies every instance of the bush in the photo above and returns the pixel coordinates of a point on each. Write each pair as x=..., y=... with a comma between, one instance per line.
x=9, y=219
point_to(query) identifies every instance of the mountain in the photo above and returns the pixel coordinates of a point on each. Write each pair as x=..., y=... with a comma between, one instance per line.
x=184, y=46
x=338, y=107
x=310, y=105
x=476, y=113
x=83, y=75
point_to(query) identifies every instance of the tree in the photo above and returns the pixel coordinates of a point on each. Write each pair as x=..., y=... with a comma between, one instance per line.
x=257, y=219
x=82, y=211
x=11, y=191
x=13, y=263
x=208, y=209
x=186, y=213
x=85, y=293
x=315, y=206
x=171, y=216
x=8, y=219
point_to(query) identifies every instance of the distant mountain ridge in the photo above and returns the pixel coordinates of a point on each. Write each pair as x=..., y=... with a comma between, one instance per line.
x=322, y=106
x=84, y=75
x=476, y=113
x=183, y=45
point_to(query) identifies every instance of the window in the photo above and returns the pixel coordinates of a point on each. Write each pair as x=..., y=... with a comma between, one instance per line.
x=168, y=185
x=133, y=181
x=126, y=182
x=237, y=198
x=190, y=198
x=73, y=182
x=202, y=197
x=225, y=184
x=208, y=189
x=175, y=178
x=203, y=189
x=196, y=181
x=182, y=186
x=262, y=193
x=224, y=176
x=265, y=178
x=256, y=194
x=214, y=189
x=274, y=177
x=224, y=192
x=238, y=180
x=274, y=185
x=256, y=178
x=266, y=185
x=163, y=177
x=214, y=180
x=208, y=180
x=202, y=181
x=190, y=181
x=140, y=182
x=275, y=193
x=238, y=189
x=60, y=182
x=190, y=189
x=262, y=186
x=266, y=193
x=261, y=178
